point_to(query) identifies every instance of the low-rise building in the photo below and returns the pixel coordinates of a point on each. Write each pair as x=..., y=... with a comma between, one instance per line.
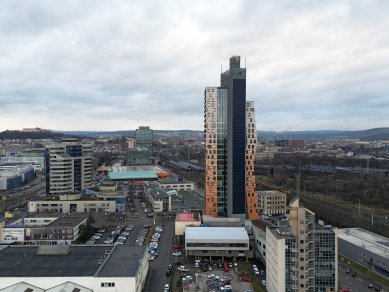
x=160, y=199
x=73, y=268
x=72, y=203
x=186, y=219
x=366, y=248
x=271, y=202
x=43, y=229
x=211, y=221
x=13, y=176
x=224, y=242
x=176, y=185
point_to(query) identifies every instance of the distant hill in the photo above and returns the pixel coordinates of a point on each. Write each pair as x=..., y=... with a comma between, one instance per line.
x=14, y=134
x=366, y=135
x=131, y=133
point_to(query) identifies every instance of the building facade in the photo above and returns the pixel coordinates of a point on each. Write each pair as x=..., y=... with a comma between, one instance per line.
x=229, y=148
x=304, y=253
x=68, y=167
x=271, y=202
x=366, y=248
x=140, y=152
x=251, y=143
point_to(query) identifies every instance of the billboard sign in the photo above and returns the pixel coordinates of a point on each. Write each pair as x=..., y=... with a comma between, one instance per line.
x=10, y=235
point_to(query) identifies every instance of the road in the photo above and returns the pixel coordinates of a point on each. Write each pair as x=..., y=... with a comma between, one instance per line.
x=356, y=284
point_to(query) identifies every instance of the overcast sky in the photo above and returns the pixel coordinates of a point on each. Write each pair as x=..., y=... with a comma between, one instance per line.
x=114, y=65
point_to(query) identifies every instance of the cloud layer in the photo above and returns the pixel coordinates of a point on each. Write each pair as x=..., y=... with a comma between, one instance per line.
x=111, y=65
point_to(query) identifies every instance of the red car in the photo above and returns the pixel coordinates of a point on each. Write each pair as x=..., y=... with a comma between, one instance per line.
x=245, y=279
x=225, y=265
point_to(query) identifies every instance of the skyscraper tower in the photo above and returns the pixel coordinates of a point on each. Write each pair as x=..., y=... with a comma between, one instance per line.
x=228, y=176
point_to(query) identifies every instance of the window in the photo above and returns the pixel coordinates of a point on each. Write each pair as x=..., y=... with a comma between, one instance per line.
x=110, y=284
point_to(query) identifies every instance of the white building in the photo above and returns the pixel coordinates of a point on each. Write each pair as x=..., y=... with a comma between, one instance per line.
x=217, y=242
x=72, y=203
x=281, y=258
x=68, y=167
x=73, y=268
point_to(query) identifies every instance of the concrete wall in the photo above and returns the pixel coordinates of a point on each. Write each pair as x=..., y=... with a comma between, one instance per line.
x=275, y=263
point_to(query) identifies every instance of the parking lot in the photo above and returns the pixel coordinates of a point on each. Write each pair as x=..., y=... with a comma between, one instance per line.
x=216, y=276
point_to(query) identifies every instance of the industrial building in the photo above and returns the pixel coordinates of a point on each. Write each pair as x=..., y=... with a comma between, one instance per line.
x=366, y=248
x=68, y=167
x=73, y=268
x=38, y=162
x=136, y=173
x=13, y=176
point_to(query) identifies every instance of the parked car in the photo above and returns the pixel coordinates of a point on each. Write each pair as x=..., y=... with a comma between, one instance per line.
x=245, y=279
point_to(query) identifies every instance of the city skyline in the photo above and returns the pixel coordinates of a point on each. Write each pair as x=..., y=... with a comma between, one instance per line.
x=114, y=66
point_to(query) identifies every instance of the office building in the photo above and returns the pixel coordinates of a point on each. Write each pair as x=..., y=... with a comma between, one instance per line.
x=271, y=202
x=301, y=256
x=144, y=138
x=326, y=253
x=281, y=259
x=141, y=152
x=217, y=242
x=43, y=229
x=229, y=148
x=68, y=167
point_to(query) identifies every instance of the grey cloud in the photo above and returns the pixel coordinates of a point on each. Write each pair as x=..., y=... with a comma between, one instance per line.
x=112, y=65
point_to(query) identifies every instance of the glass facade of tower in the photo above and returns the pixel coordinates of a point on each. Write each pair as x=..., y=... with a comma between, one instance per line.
x=235, y=81
x=325, y=259
x=143, y=153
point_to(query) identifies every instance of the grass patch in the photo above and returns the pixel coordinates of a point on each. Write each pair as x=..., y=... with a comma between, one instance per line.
x=363, y=270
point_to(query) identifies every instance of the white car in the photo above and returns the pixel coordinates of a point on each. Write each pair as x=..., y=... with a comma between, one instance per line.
x=166, y=288
x=176, y=254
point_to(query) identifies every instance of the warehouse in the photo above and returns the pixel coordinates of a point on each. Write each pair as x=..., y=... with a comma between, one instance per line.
x=368, y=249
x=73, y=268
x=13, y=176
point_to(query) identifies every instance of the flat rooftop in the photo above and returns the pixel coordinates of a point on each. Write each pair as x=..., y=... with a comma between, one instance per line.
x=370, y=241
x=62, y=220
x=22, y=261
x=123, y=261
x=80, y=261
x=262, y=224
x=186, y=217
x=69, y=220
x=216, y=234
